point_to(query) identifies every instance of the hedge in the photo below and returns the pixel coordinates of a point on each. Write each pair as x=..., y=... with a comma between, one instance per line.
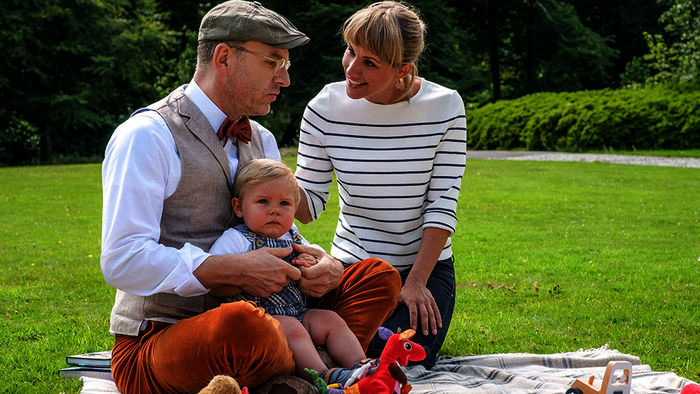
x=624, y=119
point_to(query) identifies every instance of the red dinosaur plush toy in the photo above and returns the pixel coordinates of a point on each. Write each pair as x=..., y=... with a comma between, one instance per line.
x=388, y=378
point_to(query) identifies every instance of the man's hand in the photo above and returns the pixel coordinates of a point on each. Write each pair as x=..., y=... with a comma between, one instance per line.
x=321, y=278
x=261, y=272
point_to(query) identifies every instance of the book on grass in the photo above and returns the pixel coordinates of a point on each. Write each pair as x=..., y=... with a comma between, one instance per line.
x=93, y=372
x=95, y=359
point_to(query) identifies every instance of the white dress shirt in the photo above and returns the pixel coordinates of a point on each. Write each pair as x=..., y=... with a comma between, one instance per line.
x=140, y=170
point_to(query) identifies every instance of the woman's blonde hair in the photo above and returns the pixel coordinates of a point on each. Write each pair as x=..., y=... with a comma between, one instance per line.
x=260, y=171
x=391, y=30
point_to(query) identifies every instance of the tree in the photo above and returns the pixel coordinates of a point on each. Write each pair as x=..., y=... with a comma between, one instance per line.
x=679, y=61
x=553, y=51
x=622, y=22
x=448, y=58
x=535, y=45
x=673, y=56
x=73, y=68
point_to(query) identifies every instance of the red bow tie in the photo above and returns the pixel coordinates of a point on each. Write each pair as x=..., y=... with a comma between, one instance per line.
x=239, y=129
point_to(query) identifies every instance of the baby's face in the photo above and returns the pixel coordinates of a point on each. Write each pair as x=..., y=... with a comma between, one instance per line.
x=268, y=208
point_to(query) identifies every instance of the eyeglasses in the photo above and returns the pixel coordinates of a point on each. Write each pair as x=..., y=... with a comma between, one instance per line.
x=279, y=63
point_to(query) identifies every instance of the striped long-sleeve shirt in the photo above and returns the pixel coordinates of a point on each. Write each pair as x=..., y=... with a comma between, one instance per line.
x=399, y=168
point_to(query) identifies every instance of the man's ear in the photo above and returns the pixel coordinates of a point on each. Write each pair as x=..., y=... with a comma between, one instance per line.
x=236, y=204
x=222, y=56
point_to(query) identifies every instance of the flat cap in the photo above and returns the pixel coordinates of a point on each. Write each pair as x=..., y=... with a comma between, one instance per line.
x=238, y=20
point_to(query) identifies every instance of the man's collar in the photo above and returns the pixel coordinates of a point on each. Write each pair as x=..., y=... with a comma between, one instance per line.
x=214, y=115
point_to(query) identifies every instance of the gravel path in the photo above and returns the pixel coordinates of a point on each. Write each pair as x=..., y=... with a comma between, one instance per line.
x=585, y=157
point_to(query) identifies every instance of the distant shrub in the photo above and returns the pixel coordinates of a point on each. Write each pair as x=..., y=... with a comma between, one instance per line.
x=625, y=119
x=19, y=142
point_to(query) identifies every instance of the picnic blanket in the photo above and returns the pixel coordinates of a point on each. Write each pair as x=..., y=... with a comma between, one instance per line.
x=510, y=373
x=534, y=373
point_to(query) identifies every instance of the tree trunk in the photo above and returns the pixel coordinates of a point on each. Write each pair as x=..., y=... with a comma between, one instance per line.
x=494, y=55
x=44, y=146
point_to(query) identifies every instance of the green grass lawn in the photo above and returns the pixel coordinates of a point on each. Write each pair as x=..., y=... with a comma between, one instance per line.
x=550, y=257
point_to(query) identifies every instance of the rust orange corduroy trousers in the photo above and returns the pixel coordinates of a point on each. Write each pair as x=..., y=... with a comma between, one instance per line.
x=240, y=340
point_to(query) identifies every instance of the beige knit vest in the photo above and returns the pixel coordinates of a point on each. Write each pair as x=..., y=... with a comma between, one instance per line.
x=198, y=212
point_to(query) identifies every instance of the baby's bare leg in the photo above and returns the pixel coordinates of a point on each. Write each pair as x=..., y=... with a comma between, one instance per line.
x=329, y=329
x=303, y=349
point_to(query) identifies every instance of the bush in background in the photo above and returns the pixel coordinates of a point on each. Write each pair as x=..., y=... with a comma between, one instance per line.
x=19, y=143
x=625, y=119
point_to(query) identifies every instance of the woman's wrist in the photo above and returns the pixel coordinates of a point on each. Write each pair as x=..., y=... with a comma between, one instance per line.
x=414, y=278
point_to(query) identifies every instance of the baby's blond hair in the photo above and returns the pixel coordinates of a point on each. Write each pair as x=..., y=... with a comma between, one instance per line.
x=260, y=171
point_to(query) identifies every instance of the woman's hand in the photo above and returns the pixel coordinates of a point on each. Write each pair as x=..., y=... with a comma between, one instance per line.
x=420, y=303
x=414, y=294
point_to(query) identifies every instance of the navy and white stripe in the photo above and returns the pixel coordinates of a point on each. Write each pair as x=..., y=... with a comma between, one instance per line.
x=399, y=169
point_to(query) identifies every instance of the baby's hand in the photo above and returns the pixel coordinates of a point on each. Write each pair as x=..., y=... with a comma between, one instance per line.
x=304, y=260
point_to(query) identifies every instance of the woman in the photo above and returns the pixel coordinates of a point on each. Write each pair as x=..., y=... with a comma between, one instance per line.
x=397, y=144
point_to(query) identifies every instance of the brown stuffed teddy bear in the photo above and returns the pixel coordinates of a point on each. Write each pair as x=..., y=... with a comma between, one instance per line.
x=222, y=384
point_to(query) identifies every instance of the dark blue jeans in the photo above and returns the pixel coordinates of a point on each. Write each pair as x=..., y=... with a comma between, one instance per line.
x=442, y=286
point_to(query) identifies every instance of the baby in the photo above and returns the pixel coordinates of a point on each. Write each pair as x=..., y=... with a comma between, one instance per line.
x=265, y=198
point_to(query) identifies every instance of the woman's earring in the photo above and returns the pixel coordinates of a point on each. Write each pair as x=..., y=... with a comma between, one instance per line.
x=398, y=84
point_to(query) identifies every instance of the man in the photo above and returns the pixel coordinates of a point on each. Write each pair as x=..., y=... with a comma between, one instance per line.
x=167, y=185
